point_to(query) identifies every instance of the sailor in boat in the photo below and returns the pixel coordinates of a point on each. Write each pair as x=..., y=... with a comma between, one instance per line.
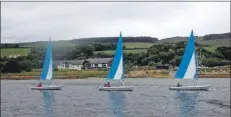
x=178, y=84
x=107, y=85
x=39, y=84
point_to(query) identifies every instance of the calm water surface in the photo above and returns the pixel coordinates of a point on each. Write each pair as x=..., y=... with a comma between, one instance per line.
x=81, y=98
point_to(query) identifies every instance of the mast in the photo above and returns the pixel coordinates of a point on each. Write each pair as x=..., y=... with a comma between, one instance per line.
x=52, y=80
x=196, y=77
x=122, y=58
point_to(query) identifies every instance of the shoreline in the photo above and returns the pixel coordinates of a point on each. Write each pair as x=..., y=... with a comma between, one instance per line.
x=157, y=76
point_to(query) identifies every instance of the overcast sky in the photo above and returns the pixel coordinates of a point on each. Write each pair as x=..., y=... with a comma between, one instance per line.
x=36, y=21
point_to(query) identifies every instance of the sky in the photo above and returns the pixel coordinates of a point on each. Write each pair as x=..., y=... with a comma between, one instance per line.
x=37, y=21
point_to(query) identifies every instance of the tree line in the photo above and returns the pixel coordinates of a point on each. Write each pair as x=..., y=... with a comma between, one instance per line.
x=217, y=36
x=143, y=39
x=165, y=53
x=115, y=40
x=95, y=40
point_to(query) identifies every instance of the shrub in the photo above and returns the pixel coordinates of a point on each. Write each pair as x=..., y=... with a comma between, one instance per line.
x=11, y=66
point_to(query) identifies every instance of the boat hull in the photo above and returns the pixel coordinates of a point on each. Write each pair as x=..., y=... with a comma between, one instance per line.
x=47, y=88
x=121, y=88
x=191, y=88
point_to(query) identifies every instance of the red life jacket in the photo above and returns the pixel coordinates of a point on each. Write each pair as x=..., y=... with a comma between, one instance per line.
x=39, y=85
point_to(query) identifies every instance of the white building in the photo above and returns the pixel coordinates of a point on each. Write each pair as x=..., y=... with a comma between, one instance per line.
x=71, y=64
x=100, y=62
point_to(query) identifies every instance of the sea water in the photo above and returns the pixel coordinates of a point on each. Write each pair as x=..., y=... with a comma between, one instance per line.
x=81, y=98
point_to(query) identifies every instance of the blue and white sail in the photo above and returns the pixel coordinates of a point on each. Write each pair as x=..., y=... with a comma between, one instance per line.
x=47, y=71
x=116, y=72
x=188, y=66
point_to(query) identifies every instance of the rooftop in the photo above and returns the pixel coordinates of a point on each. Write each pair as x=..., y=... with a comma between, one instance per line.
x=75, y=62
x=99, y=60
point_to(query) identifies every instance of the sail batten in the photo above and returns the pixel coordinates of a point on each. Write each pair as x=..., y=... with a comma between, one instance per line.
x=116, y=71
x=47, y=71
x=188, y=66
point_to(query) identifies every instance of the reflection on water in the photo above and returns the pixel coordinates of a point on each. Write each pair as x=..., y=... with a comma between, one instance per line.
x=49, y=101
x=117, y=100
x=187, y=102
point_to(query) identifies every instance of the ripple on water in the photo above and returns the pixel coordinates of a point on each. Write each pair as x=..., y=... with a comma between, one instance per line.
x=81, y=98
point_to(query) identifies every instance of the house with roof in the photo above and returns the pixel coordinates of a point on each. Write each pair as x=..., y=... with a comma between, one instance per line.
x=100, y=62
x=71, y=64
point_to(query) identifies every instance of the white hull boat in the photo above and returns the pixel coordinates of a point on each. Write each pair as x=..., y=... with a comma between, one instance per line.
x=47, y=71
x=117, y=70
x=191, y=88
x=47, y=88
x=187, y=69
x=120, y=88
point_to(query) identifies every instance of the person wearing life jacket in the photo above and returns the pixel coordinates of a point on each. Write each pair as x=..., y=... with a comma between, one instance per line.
x=178, y=84
x=39, y=85
x=108, y=84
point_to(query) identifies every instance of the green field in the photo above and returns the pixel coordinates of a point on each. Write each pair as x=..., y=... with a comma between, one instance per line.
x=67, y=73
x=14, y=51
x=111, y=52
x=138, y=45
x=132, y=46
x=215, y=42
x=210, y=48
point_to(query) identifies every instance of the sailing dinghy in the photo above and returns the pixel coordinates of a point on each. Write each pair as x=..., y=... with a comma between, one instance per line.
x=188, y=68
x=47, y=71
x=116, y=71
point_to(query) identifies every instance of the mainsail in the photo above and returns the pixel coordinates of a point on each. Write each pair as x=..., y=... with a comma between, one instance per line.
x=188, y=66
x=116, y=70
x=47, y=71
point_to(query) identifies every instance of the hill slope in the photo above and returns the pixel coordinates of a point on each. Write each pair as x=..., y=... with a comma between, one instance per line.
x=133, y=44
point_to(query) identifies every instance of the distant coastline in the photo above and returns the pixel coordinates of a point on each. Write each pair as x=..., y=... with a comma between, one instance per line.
x=85, y=74
x=142, y=56
x=66, y=77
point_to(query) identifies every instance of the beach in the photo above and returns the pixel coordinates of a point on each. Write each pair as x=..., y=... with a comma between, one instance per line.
x=102, y=73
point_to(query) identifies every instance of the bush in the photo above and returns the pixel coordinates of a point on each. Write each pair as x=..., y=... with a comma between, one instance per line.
x=25, y=65
x=11, y=66
x=2, y=65
x=212, y=62
x=56, y=69
x=152, y=64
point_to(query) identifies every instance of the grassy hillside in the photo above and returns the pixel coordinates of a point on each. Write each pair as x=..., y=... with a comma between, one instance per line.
x=94, y=40
x=133, y=44
x=200, y=40
x=111, y=52
x=216, y=42
x=132, y=47
x=137, y=45
x=212, y=44
x=14, y=51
